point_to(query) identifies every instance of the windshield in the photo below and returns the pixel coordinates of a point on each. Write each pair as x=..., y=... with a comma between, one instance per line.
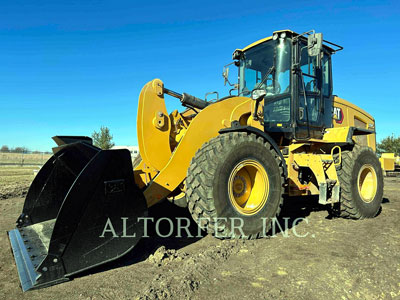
x=256, y=72
x=257, y=61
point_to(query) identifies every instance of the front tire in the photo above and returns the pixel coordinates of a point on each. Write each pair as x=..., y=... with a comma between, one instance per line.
x=361, y=181
x=235, y=179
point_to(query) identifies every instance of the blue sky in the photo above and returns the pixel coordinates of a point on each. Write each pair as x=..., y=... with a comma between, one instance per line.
x=68, y=67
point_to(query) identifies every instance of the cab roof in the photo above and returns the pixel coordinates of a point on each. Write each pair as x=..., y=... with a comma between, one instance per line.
x=266, y=39
x=287, y=31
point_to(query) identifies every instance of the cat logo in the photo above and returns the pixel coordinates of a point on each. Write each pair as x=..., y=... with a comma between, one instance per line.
x=338, y=115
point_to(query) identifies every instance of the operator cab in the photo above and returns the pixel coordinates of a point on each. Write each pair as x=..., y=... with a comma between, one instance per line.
x=292, y=73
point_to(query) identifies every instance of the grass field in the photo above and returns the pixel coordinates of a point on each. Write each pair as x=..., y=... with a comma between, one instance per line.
x=15, y=180
x=23, y=158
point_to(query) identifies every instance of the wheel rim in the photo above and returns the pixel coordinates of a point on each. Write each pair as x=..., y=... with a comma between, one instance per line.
x=367, y=183
x=248, y=187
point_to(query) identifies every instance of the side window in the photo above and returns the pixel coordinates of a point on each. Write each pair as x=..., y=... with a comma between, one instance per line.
x=326, y=75
x=307, y=65
x=313, y=107
x=252, y=77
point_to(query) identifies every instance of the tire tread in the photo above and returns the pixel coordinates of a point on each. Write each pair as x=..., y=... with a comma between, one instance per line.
x=201, y=175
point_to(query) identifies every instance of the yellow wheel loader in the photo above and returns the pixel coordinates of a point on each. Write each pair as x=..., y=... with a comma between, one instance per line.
x=230, y=161
x=390, y=164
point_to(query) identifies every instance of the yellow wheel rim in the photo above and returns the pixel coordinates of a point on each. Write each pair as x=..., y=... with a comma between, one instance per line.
x=367, y=183
x=248, y=187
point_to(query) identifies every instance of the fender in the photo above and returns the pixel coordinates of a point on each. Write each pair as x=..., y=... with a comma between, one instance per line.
x=258, y=132
x=343, y=135
x=357, y=131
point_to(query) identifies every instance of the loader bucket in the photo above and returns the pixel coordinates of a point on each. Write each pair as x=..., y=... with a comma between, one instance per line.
x=79, y=205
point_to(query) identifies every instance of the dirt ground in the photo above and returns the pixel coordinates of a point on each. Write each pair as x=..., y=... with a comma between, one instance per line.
x=336, y=259
x=15, y=180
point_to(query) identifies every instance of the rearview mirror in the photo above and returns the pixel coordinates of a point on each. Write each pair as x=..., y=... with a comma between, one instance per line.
x=314, y=44
x=225, y=74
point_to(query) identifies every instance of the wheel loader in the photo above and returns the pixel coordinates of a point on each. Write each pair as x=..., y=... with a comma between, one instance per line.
x=283, y=133
x=390, y=164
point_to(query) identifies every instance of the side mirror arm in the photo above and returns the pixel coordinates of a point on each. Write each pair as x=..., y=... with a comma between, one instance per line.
x=257, y=97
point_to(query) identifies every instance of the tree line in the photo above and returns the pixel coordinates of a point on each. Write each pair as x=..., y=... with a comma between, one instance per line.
x=389, y=144
x=102, y=139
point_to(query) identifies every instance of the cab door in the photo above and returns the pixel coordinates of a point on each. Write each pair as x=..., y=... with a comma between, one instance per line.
x=309, y=97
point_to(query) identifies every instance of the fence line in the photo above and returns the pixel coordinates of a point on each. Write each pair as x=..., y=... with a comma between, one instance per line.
x=23, y=159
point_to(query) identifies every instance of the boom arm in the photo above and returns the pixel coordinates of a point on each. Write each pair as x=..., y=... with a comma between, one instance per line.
x=167, y=167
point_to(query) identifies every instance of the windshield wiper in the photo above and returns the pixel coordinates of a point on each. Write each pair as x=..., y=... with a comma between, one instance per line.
x=265, y=77
x=272, y=69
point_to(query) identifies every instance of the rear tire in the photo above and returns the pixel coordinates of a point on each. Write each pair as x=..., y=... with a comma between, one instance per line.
x=235, y=176
x=361, y=183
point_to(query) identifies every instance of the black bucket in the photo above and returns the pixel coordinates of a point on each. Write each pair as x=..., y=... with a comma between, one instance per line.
x=72, y=215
